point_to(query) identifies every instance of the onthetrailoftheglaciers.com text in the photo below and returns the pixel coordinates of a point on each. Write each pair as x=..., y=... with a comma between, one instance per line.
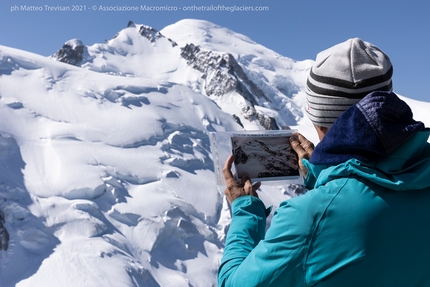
x=141, y=8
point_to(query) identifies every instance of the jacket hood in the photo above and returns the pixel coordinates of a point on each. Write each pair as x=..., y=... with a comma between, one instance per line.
x=407, y=168
x=368, y=131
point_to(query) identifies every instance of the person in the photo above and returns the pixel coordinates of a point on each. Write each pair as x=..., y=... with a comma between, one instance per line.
x=365, y=219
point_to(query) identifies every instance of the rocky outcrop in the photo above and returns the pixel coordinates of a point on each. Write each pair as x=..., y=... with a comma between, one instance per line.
x=267, y=122
x=222, y=75
x=72, y=52
x=150, y=33
x=4, y=235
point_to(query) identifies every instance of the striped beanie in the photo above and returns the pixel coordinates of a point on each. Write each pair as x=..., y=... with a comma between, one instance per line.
x=342, y=75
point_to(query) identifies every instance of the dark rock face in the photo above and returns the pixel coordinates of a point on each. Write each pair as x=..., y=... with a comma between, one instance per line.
x=71, y=53
x=267, y=122
x=237, y=119
x=222, y=72
x=150, y=33
x=222, y=75
x=4, y=235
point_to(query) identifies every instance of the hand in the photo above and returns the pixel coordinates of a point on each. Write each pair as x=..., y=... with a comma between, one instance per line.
x=303, y=148
x=235, y=189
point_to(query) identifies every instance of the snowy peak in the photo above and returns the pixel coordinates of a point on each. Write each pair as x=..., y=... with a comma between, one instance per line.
x=135, y=39
x=242, y=77
x=207, y=35
x=147, y=32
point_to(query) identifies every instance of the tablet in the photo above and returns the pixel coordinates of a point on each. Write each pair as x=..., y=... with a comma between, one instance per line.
x=264, y=155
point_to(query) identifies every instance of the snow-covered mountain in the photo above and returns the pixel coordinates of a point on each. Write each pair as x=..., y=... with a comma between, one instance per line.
x=106, y=172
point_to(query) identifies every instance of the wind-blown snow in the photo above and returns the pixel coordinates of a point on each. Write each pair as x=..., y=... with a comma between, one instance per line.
x=106, y=172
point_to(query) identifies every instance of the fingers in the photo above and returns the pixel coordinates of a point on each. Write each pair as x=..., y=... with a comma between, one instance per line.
x=228, y=163
x=301, y=145
x=246, y=182
x=229, y=178
x=304, y=149
x=307, y=145
x=249, y=188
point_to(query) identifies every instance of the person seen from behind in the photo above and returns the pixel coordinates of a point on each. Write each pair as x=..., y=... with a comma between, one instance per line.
x=365, y=220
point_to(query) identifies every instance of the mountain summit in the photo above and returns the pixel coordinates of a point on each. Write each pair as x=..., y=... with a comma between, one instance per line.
x=257, y=84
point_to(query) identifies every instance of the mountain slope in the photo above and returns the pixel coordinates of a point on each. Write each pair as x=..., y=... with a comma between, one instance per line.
x=84, y=141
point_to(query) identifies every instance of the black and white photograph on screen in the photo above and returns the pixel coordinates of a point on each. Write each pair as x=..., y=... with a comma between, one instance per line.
x=264, y=157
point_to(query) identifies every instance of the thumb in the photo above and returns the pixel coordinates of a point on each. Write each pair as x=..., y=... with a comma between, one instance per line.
x=295, y=144
x=301, y=145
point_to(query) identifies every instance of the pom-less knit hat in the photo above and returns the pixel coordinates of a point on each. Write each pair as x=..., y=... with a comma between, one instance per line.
x=342, y=75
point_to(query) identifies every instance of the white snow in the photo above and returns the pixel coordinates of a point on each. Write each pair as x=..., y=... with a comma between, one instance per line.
x=106, y=173
x=74, y=43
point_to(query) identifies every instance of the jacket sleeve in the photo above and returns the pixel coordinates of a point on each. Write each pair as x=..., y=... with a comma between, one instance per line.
x=253, y=259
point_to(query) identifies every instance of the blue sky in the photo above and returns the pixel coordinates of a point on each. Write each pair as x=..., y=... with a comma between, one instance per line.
x=297, y=29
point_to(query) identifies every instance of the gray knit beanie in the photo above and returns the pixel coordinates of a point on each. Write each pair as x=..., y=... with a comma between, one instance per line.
x=342, y=75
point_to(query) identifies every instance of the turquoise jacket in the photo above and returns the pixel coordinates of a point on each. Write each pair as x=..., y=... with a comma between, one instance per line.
x=363, y=223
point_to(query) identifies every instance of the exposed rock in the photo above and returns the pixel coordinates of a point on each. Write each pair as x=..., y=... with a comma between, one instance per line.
x=237, y=119
x=4, y=235
x=150, y=33
x=223, y=75
x=267, y=122
x=72, y=52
